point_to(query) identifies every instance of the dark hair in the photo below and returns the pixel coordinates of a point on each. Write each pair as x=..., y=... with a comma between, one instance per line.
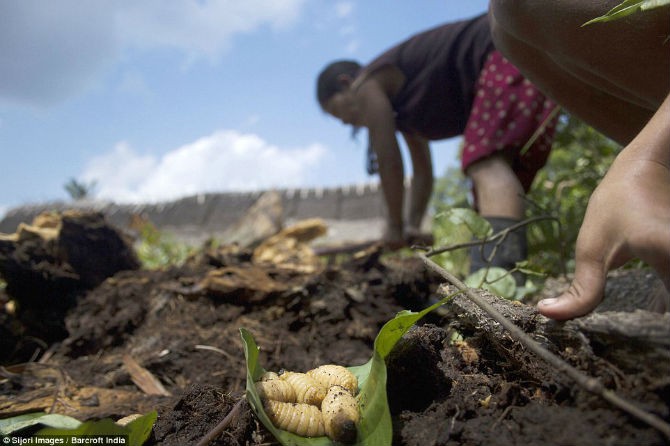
x=328, y=84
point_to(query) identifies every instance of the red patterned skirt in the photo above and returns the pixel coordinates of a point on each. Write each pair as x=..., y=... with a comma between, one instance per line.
x=506, y=114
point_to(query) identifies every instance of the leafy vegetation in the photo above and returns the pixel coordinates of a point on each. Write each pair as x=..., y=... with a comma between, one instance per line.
x=157, y=249
x=580, y=158
x=79, y=190
x=136, y=432
x=628, y=7
x=450, y=192
x=20, y=422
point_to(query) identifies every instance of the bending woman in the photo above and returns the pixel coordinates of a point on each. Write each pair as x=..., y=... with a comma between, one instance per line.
x=441, y=83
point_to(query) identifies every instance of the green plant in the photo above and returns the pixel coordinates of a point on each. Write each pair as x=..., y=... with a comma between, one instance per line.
x=472, y=230
x=135, y=433
x=628, y=7
x=450, y=192
x=79, y=190
x=157, y=249
x=579, y=159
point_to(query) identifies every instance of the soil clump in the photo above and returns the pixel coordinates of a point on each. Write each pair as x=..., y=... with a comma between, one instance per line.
x=78, y=308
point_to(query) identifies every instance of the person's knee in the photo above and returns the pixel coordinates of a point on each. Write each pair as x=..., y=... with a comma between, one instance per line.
x=509, y=16
x=493, y=175
x=502, y=40
x=508, y=36
x=521, y=22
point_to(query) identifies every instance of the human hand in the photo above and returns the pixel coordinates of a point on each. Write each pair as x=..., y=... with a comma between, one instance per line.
x=628, y=216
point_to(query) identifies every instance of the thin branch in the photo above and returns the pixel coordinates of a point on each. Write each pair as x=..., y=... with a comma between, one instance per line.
x=211, y=435
x=554, y=112
x=498, y=236
x=588, y=383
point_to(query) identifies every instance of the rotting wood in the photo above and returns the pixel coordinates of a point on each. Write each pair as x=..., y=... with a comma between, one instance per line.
x=81, y=402
x=143, y=378
x=643, y=326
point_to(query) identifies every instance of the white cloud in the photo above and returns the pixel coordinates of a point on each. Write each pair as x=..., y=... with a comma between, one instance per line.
x=344, y=9
x=224, y=161
x=52, y=50
x=120, y=173
x=199, y=28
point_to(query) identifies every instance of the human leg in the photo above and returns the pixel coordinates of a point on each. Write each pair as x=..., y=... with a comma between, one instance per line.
x=628, y=56
x=499, y=197
x=506, y=113
x=498, y=192
x=615, y=77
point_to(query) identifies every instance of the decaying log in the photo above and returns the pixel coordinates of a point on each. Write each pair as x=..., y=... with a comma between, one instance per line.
x=640, y=326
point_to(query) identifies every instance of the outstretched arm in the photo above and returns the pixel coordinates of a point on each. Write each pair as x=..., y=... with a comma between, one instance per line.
x=422, y=183
x=628, y=216
x=380, y=121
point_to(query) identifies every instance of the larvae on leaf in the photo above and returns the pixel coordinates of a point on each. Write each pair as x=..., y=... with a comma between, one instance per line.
x=307, y=389
x=268, y=376
x=301, y=419
x=277, y=390
x=340, y=415
x=331, y=374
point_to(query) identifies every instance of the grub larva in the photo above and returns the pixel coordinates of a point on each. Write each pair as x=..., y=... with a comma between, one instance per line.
x=268, y=376
x=277, y=390
x=307, y=389
x=302, y=419
x=340, y=415
x=331, y=374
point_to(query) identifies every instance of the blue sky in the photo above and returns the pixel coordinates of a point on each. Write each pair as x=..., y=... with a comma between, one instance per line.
x=155, y=100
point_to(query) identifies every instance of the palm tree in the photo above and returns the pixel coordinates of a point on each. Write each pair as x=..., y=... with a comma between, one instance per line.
x=79, y=190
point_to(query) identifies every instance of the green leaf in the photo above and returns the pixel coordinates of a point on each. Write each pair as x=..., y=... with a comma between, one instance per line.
x=14, y=424
x=628, y=7
x=137, y=431
x=140, y=428
x=89, y=428
x=479, y=227
x=494, y=279
x=375, y=428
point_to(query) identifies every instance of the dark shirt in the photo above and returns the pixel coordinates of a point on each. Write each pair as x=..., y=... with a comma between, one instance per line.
x=441, y=68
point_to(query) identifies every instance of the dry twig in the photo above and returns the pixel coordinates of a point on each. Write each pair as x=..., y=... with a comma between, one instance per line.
x=143, y=378
x=211, y=435
x=498, y=237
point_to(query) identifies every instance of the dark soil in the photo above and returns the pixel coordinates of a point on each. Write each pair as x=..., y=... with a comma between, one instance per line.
x=182, y=325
